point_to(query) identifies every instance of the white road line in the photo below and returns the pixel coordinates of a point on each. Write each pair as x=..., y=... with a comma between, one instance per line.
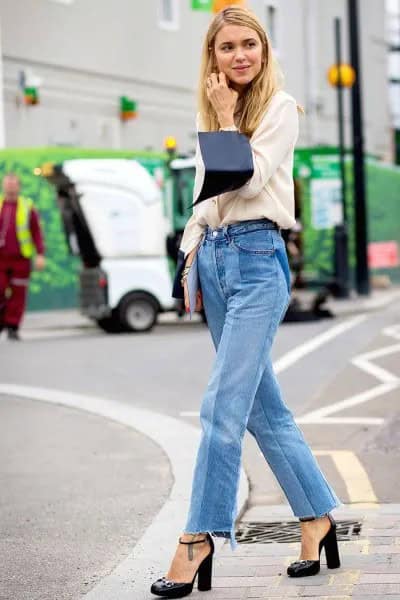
x=393, y=331
x=320, y=413
x=290, y=358
x=339, y=420
x=179, y=440
x=388, y=382
x=355, y=477
x=364, y=362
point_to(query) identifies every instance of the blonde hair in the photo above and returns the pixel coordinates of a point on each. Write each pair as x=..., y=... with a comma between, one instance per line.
x=263, y=87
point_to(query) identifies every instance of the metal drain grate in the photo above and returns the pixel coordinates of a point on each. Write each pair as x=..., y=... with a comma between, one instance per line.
x=288, y=531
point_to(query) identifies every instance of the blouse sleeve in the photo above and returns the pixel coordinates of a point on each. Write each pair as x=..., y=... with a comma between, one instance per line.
x=193, y=230
x=274, y=138
x=191, y=235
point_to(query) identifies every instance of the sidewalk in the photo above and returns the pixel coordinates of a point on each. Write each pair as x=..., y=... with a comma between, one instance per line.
x=370, y=561
x=354, y=304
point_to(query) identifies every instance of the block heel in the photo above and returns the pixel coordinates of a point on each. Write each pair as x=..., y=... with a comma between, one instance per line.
x=172, y=589
x=306, y=568
x=331, y=548
x=204, y=576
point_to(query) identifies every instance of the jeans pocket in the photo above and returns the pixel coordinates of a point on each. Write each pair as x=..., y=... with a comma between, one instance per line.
x=255, y=242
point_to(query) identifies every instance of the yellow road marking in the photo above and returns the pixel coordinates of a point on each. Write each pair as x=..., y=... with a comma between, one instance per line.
x=355, y=477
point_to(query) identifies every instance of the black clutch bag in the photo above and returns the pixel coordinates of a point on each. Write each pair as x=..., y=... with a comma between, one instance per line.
x=177, y=289
x=228, y=162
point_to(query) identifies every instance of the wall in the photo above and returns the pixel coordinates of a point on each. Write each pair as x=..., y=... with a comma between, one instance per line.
x=93, y=51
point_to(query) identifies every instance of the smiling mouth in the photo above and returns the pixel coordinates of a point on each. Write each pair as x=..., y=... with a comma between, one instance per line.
x=241, y=68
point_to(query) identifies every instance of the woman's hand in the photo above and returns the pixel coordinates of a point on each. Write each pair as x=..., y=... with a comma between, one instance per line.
x=40, y=262
x=199, y=300
x=223, y=98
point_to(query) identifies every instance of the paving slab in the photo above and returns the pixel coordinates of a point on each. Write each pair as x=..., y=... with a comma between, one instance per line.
x=369, y=569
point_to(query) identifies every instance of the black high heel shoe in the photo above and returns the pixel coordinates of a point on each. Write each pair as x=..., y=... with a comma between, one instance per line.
x=171, y=589
x=305, y=568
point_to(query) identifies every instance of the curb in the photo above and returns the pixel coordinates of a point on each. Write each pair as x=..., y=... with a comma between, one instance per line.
x=357, y=304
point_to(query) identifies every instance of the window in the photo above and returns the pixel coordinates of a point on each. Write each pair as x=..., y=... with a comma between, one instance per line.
x=271, y=22
x=168, y=14
x=63, y=1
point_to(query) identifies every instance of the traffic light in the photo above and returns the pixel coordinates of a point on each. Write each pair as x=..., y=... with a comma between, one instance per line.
x=31, y=96
x=128, y=108
x=347, y=75
x=170, y=145
x=221, y=4
x=215, y=5
x=204, y=5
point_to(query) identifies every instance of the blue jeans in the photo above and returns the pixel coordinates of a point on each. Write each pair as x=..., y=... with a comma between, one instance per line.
x=245, y=282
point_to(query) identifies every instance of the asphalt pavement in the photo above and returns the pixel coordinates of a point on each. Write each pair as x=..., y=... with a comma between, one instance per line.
x=77, y=492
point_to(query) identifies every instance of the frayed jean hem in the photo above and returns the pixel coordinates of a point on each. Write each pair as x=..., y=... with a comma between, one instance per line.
x=319, y=515
x=229, y=535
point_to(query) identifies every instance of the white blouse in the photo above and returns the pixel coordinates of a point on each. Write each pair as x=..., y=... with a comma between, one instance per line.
x=270, y=191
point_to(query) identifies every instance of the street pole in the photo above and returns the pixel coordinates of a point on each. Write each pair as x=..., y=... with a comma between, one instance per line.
x=360, y=212
x=341, y=234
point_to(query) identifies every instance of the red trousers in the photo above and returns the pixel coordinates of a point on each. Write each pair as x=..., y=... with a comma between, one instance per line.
x=14, y=282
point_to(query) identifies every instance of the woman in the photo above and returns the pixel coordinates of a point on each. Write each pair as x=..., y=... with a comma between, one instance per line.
x=245, y=287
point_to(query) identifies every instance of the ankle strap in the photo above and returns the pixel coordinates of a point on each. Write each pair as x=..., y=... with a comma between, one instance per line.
x=190, y=543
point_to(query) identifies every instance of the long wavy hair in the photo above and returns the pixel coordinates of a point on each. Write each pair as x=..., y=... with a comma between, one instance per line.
x=258, y=94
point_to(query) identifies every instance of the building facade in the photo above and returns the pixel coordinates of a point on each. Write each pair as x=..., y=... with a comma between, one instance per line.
x=83, y=55
x=393, y=38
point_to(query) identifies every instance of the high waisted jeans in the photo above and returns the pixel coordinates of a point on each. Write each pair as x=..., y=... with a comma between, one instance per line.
x=245, y=283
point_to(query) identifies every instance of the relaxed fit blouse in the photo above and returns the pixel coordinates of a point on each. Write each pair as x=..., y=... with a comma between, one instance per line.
x=269, y=193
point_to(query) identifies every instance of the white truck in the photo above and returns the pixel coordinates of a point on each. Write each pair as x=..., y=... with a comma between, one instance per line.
x=114, y=219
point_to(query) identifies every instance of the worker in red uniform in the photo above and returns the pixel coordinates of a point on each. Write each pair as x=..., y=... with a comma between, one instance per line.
x=20, y=237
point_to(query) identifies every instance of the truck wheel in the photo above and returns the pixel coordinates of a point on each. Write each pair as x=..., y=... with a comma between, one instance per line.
x=110, y=324
x=138, y=312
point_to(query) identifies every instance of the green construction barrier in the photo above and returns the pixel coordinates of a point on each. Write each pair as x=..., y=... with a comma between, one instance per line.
x=317, y=175
x=57, y=286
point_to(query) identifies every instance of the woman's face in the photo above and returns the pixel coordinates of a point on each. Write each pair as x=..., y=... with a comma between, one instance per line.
x=238, y=51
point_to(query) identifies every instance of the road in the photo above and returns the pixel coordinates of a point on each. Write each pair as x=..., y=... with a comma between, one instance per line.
x=340, y=377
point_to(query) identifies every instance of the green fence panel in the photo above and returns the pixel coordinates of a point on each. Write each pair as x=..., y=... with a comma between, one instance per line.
x=57, y=285
x=383, y=208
